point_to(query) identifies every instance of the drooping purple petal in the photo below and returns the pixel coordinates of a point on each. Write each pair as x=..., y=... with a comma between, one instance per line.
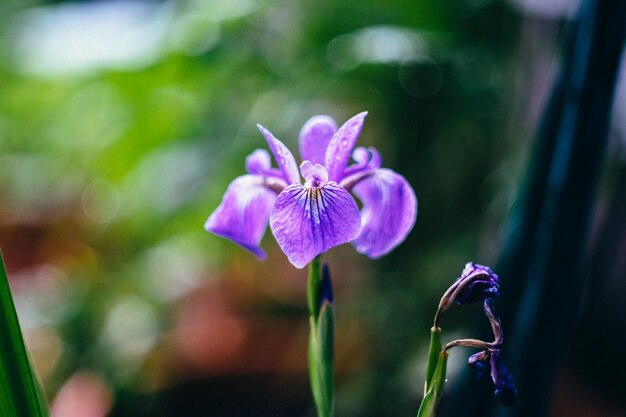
x=243, y=213
x=388, y=214
x=314, y=138
x=340, y=146
x=284, y=158
x=307, y=221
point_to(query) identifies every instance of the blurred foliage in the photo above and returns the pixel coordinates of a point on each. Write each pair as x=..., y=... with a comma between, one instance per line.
x=121, y=125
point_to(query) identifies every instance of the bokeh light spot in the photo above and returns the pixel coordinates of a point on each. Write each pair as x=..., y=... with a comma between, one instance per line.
x=420, y=76
x=100, y=201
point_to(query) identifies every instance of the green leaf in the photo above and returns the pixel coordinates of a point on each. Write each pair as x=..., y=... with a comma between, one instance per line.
x=439, y=377
x=326, y=339
x=321, y=356
x=321, y=343
x=435, y=389
x=314, y=371
x=21, y=394
x=433, y=355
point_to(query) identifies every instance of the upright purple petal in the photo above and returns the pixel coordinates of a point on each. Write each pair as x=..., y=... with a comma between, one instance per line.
x=258, y=162
x=307, y=221
x=388, y=214
x=340, y=146
x=283, y=156
x=314, y=138
x=242, y=216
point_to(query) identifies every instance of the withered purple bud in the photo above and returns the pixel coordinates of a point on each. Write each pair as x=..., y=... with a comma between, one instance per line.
x=478, y=363
x=478, y=283
x=326, y=287
x=502, y=380
x=490, y=362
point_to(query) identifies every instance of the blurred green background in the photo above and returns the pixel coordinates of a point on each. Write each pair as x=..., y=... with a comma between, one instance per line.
x=123, y=122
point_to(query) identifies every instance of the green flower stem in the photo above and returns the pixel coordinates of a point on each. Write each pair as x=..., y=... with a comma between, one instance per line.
x=435, y=375
x=21, y=394
x=321, y=344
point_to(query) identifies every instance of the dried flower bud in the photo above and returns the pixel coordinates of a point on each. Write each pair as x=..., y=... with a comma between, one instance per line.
x=478, y=362
x=477, y=283
x=326, y=287
x=490, y=362
x=502, y=380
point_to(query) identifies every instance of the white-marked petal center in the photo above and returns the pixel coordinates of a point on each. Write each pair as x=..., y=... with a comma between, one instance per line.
x=315, y=176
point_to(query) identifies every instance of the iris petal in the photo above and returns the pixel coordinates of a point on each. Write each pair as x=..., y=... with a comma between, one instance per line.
x=258, y=162
x=307, y=221
x=367, y=160
x=314, y=138
x=313, y=173
x=389, y=212
x=283, y=156
x=340, y=146
x=242, y=216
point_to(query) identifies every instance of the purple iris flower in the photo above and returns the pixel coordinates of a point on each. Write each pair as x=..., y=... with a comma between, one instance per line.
x=309, y=219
